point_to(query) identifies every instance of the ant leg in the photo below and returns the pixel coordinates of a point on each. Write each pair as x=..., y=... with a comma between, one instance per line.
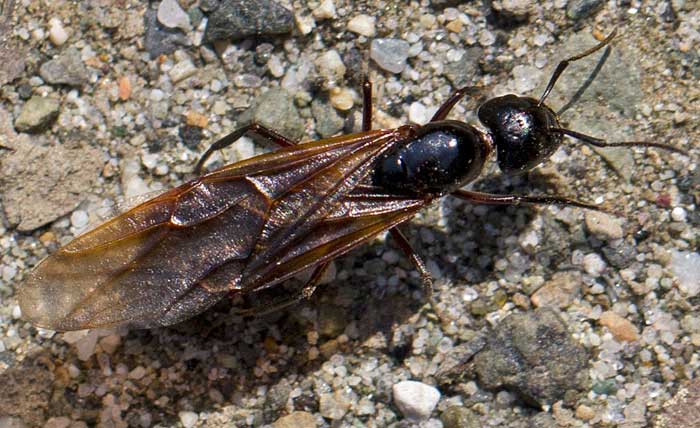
x=305, y=293
x=419, y=264
x=565, y=63
x=457, y=95
x=366, y=105
x=599, y=142
x=492, y=199
x=253, y=128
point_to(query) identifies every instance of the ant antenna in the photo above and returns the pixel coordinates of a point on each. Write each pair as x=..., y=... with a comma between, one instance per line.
x=599, y=142
x=565, y=63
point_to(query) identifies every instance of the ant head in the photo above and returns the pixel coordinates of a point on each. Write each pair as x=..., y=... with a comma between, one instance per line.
x=520, y=128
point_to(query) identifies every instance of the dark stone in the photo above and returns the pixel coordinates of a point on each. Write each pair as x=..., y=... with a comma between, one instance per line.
x=328, y=121
x=459, y=73
x=276, y=400
x=580, y=9
x=66, y=69
x=24, y=91
x=459, y=417
x=161, y=40
x=208, y=5
x=238, y=19
x=275, y=109
x=354, y=63
x=533, y=355
x=191, y=136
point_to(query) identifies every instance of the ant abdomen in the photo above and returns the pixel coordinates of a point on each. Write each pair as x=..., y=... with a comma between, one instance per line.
x=521, y=131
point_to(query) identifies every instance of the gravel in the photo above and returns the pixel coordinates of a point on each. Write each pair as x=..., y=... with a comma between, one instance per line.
x=551, y=316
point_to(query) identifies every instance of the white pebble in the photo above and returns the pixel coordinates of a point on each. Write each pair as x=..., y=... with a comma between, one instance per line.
x=188, y=419
x=182, y=70
x=686, y=267
x=79, y=219
x=325, y=10
x=678, y=214
x=415, y=400
x=418, y=113
x=57, y=32
x=390, y=54
x=149, y=160
x=16, y=312
x=486, y=38
x=593, y=264
x=330, y=65
x=8, y=273
x=363, y=25
x=171, y=15
x=274, y=64
x=305, y=23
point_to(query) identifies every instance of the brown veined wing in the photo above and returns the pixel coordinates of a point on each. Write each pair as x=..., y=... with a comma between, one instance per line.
x=241, y=228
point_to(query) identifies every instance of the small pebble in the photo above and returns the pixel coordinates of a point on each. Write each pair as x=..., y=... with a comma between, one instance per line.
x=330, y=66
x=325, y=10
x=58, y=422
x=603, y=225
x=37, y=114
x=79, y=219
x=137, y=373
x=333, y=406
x=363, y=25
x=274, y=64
x=57, y=32
x=678, y=214
x=188, y=419
x=620, y=327
x=124, y=85
x=305, y=23
x=418, y=113
x=390, y=54
x=593, y=264
x=685, y=266
x=171, y=15
x=182, y=70
x=415, y=400
x=584, y=412
x=341, y=99
x=296, y=420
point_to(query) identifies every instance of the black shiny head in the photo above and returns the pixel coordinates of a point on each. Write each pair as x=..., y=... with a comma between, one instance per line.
x=520, y=128
x=437, y=159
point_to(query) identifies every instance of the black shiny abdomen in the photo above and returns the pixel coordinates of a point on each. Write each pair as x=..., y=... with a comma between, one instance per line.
x=439, y=158
x=520, y=131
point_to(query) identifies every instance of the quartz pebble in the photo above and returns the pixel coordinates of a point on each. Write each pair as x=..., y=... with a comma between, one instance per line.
x=418, y=113
x=57, y=32
x=593, y=264
x=416, y=400
x=390, y=54
x=330, y=66
x=685, y=265
x=182, y=70
x=171, y=15
x=79, y=219
x=188, y=419
x=325, y=10
x=363, y=25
